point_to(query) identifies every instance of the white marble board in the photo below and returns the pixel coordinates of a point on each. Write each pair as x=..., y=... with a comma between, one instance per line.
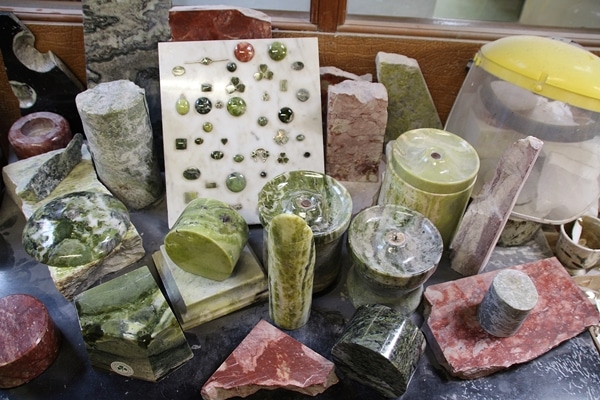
x=297, y=144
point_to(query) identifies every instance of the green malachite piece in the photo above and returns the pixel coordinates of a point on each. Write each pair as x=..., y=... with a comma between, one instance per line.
x=235, y=85
x=207, y=127
x=302, y=95
x=281, y=138
x=286, y=115
x=283, y=85
x=191, y=173
x=203, y=105
x=300, y=137
x=224, y=140
x=129, y=328
x=178, y=70
x=231, y=66
x=182, y=105
x=238, y=158
x=297, y=65
x=283, y=158
x=206, y=87
x=260, y=154
x=189, y=196
x=236, y=182
x=262, y=121
x=198, y=140
x=180, y=144
x=290, y=264
x=266, y=96
x=263, y=174
x=236, y=106
x=277, y=51
x=218, y=104
x=207, y=239
x=306, y=154
x=206, y=61
x=210, y=185
x=76, y=229
x=217, y=155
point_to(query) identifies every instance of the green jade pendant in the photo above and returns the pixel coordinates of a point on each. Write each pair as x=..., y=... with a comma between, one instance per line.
x=291, y=266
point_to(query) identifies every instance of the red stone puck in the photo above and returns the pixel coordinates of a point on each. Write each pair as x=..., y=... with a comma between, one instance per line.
x=30, y=340
x=39, y=133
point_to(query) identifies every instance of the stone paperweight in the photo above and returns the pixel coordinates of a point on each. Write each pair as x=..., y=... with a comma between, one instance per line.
x=38, y=133
x=196, y=300
x=128, y=327
x=29, y=337
x=269, y=359
x=379, y=348
x=323, y=203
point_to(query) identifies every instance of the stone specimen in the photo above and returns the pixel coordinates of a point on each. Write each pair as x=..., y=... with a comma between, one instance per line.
x=356, y=121
x=72, y=280
x=269, y=359
x=410, y=103
x=76, y=229
x=467, y=351
x=207, y=239
x=196, y=300
x=394, y=251
x=40, y=81
x=218, y=23
x=53, y=171
x=507, y=303
x=325, y=205
x=487, y=214
x=29, y=337
x=379, y=348
x=129, y=328
x=121, y=41
x=117, y=125
x=291, y=268
x=38, y=133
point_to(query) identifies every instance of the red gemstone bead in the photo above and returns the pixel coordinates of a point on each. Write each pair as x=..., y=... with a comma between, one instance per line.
x=244, y=51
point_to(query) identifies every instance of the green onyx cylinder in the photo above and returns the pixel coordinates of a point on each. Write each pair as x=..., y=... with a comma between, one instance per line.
x=291, y=266
x=207, y=239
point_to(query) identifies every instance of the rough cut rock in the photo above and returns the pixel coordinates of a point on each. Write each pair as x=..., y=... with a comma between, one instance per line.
x=487, y=214
x=269, y=359
x=410, y=103
x=356, y=120
x=218, y=23
x=462, y=346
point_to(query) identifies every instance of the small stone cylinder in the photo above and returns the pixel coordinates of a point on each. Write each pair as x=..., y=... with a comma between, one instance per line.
x=507, y=303
x=117, y=125
x=38, y=133
x=291, y=267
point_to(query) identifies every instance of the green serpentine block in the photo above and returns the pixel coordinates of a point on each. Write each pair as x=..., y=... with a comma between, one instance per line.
x=76, y=229
x=291, y=266
x=379, y=348
x=207, y=239
x=410, y=105
x=128, y=327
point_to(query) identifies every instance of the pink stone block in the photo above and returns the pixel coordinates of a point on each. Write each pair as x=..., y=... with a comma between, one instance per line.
x=270, y=359
x=467, y=351
x=356, y=121
x=190, y=23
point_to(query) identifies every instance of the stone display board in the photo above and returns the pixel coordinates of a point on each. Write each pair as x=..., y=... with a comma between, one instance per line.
x=235, y=114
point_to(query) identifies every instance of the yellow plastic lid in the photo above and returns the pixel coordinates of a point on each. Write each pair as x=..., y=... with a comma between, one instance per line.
x=549, y=67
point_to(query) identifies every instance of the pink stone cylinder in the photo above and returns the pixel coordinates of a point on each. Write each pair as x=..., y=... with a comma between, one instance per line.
x=39, y=133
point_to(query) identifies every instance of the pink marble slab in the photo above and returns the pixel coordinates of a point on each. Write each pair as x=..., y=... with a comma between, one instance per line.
x=467, y=351
x=270, y=359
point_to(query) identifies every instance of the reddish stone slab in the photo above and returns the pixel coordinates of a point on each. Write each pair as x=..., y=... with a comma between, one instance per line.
x=270, y=359
x=29, y=339
x=218, y=23
x=467, y=351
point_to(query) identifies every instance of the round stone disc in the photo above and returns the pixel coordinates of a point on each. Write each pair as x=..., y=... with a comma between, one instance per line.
x=76, y=229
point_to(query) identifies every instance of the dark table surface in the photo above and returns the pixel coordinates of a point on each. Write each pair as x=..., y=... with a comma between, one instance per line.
x=569, y=371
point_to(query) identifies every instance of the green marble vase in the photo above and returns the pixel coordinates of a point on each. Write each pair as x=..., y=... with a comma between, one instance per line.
x=323, y=203
x=379, y=348
x=129, y=328
x=291, y=265
x=207, y=239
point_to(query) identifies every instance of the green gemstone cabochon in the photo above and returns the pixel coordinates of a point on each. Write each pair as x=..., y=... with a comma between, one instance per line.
x=286, y=115
x=236, y=106
x=182, y=106
x=277, y=51
x=203, y=105
x=236, y=182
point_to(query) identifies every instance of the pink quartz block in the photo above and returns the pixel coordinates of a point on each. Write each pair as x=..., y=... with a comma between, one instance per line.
x=467, y=351
x=356, y=120
x=270, y=359
x=190, y=23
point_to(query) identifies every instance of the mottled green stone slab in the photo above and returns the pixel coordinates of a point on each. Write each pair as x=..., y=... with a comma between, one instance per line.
x=128, y=327
x=197, y=300
x=379, y=348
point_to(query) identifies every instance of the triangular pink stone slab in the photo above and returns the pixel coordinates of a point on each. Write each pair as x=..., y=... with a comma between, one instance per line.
x=270, y=359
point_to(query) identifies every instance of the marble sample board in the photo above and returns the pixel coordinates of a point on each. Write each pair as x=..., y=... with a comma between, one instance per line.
x=197, y=300
x=235, y=114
